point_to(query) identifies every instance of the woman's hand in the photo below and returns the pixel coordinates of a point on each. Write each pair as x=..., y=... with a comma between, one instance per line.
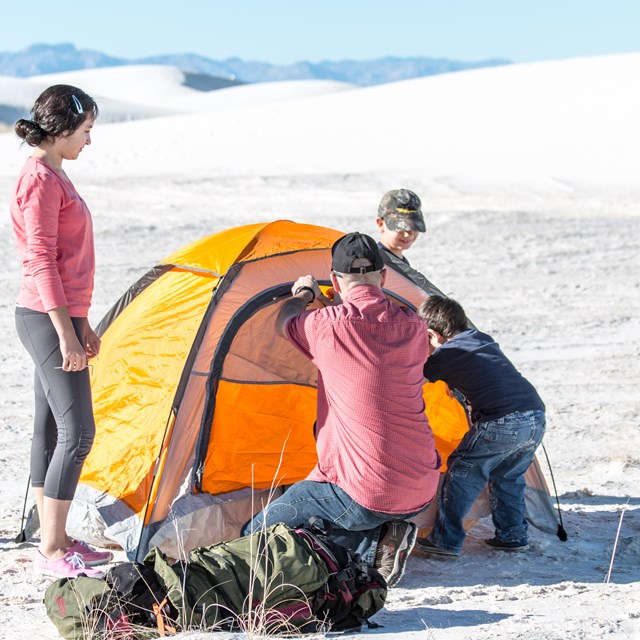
x=74, y=357
x=92, y=343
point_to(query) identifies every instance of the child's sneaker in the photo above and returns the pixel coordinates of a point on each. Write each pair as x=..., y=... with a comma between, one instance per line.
x=71, y=565
x=91, y=557
x=496, y=543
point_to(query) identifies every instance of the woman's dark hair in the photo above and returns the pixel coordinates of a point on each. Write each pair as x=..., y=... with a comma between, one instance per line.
x=444, y=315
x=57, y=110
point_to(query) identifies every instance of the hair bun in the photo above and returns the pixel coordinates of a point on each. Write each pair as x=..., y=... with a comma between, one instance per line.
x=31, y=132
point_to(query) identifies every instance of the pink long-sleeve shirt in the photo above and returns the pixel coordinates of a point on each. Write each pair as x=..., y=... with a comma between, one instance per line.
x=54, y=234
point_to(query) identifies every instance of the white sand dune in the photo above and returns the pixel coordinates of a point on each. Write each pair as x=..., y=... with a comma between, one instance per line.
x=172, y=88
x=564, y=129
x=529, y=179
x=149, y=91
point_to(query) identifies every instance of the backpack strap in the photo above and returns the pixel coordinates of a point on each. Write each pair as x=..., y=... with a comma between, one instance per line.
x=160, y=622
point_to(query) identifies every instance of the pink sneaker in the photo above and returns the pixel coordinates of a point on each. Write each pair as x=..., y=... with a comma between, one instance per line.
x=90, y=556
x=71, y=565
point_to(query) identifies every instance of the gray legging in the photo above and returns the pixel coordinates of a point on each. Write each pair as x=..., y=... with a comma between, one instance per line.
x=64, y=427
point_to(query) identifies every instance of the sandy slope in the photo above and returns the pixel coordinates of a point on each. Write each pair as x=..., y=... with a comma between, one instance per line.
x=551, y=269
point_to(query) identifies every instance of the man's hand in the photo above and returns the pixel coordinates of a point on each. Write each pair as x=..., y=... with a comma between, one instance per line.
x=306, y=281
x=297, y=304
x=330, y=298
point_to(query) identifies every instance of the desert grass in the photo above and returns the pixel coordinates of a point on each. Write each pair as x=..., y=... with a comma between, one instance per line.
x=259, y=620
x=607, y=580
x=263, y=613
x=110, y=617
x=601, y=627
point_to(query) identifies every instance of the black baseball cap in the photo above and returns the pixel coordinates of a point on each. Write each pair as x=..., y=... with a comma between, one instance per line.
x=356, y=246
x=401, y=211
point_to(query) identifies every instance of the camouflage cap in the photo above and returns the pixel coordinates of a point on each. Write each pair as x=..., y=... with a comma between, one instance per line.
x=400, y=209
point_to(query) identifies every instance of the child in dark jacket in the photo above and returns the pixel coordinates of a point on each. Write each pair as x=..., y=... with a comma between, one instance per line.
x=507, y=425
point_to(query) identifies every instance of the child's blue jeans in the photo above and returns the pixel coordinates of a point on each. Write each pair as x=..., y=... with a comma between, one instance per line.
x=497, y=452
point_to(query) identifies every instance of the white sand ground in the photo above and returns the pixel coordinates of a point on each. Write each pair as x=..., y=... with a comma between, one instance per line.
x=529, y=176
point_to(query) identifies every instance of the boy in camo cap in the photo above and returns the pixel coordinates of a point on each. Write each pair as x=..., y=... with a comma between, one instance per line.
x=400, y=221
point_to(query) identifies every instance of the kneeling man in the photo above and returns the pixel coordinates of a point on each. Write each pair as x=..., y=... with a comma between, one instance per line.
x=377, y=462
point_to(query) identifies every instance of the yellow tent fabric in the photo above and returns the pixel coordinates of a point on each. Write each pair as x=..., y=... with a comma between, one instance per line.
x=201, y=410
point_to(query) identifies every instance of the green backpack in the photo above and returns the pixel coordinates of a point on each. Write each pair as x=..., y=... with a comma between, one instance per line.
x=282, y=579
x=68, y=602
x=129, y=601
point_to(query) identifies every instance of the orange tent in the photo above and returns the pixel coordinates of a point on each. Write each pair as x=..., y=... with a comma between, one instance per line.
x=202, y=411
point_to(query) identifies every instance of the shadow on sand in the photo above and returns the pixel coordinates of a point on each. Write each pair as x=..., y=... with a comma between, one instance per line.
x=586, y=557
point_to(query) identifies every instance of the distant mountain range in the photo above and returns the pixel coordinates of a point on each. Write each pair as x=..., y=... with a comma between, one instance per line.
x=40, y=59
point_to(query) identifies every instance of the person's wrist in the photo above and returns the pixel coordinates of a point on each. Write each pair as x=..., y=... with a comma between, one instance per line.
x=306, y=289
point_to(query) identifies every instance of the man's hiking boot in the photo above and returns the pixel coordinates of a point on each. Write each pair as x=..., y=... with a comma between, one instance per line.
x=496, y=543
x=426, y=546
x=393, y=550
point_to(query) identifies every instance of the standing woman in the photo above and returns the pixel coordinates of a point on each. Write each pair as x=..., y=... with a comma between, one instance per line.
x=54, y=234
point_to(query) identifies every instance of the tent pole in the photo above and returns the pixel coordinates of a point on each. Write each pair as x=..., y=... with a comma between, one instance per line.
x=168, y=428
x=22, y=536
x=562, y=534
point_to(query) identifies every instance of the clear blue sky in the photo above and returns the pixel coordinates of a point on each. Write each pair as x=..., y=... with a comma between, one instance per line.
x=286, y=31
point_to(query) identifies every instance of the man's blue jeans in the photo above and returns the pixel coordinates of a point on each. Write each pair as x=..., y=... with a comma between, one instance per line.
x=497, y=452
x=354, y=527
